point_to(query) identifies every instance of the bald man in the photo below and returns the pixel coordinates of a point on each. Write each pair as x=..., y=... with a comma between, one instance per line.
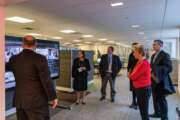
x=34, y=87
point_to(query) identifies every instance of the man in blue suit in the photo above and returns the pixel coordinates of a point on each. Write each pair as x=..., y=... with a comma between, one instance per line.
x=109, y=67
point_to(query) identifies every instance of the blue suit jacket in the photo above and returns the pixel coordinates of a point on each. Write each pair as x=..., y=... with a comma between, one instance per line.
x=116, y=65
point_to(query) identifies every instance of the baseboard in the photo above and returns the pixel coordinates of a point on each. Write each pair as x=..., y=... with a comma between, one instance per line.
x=64, y=89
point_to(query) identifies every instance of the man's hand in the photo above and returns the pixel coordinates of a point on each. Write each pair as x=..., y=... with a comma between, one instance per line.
x=80, y=69
x=154, y=78
x=83, y=68
x=54, y=103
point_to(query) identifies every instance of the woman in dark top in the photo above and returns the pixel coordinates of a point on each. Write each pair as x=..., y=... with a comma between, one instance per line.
x=80, y=70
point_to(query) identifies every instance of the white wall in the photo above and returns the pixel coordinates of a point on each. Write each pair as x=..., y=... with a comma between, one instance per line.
x=179, y=78
x=2, y=87
x=179, y=62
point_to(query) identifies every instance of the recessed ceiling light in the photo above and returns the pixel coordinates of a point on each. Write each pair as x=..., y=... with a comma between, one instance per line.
x=117, y=4
x=77, y=40
x=135, y=26
x=128, y=46
x=79, y=44
x=67, y=43
x=19, y=19
x=58, y=38
x=148, y=40
x=103, y=39
x=145, y=37
x=33, y=34
x=68, y=31
x=141, y=33
x=111, y=41
x=87, y=36
x=87, y=42
x=118, y=43
x=124, y=45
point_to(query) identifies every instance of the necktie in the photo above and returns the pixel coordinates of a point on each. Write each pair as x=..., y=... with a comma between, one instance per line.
x=109, y=63
x=109, y=58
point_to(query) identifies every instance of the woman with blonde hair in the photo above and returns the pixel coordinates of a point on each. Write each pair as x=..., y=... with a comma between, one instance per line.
x=141, y=79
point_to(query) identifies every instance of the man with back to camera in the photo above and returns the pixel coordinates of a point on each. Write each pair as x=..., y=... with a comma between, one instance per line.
x=34, y=87
x=161, y=66
x=109, y=67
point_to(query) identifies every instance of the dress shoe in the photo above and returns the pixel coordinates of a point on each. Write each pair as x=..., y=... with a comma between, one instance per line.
x=155, y=115
x=102, y=98
x=133, y=106
x=178, y=111
x=112, y=100
x=84, y=103
x=77, y=102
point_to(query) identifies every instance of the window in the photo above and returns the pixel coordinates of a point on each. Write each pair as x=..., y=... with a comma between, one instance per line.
x=170, y=47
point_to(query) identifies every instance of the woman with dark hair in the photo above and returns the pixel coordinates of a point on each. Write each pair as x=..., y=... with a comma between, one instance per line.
x=141, y=79
x=80, y=70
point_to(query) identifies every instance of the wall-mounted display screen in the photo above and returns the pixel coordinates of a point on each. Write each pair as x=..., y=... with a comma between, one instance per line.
x=50, y=49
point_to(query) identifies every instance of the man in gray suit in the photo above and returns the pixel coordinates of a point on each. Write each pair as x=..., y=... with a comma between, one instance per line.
x=34, y=87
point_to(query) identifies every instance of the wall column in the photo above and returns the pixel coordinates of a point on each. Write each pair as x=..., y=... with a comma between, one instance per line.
x=179, y=62
x=2, y=65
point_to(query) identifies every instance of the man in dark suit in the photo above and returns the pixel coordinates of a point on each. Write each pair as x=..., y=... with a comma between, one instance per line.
x=131, y=64
x=34, y=87
x=109, y=67
x=161, y=66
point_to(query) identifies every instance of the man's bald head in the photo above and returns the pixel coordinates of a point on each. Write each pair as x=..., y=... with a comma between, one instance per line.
x=29, y=41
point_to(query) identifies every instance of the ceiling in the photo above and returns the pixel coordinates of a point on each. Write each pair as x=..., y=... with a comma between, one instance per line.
x=157, y=19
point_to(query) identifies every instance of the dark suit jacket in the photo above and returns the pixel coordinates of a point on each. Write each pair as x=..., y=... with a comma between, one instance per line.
x=116, y=65
x=161, y=68
x=131, y=64
x=34, y=87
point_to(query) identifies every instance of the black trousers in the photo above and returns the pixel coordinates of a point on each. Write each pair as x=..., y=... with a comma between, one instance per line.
x=41, y=113
x=143, y=96
x=160, y=103
x=105, y=80
x=155, y=101
x=134, y=98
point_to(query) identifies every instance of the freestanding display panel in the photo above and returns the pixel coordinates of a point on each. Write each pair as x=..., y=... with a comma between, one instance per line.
x=50, y=49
